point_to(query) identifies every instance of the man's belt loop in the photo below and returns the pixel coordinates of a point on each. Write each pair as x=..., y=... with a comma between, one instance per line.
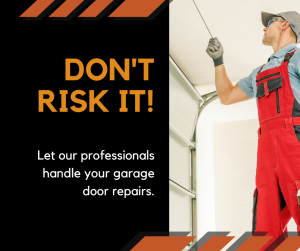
x=259, y=132
x=289, y=124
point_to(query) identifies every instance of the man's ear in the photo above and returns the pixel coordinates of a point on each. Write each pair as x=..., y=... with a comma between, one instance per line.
x=285, y=25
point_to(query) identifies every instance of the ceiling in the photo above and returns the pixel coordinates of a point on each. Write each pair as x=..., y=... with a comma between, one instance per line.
x=236, y=23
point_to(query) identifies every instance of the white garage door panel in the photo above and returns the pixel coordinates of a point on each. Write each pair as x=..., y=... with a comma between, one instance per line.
x=181, y=205
x=184, y=105
x=182, y=85
x=186, y=114
x=181, y=96
x=179, y=162
x=179, y=148
x=175, y=228
x=179, y=177
x=180, y=125
x=180, y=211
x=180, y=220
x=174, y=75
x=184, y=108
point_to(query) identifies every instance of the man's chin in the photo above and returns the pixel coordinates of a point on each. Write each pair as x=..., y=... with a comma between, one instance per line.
x=265, y=41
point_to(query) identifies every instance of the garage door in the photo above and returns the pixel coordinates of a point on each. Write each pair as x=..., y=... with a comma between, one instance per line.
x=184, y=109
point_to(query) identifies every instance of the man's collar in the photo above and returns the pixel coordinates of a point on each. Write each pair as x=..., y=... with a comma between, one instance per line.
x=284, y=51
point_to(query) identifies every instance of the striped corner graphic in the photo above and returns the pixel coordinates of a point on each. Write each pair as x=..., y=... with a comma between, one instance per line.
x=66, y=8
x=96, y=8
x=163, y=243
x=37, y=8
x=137, y=8
x=126, y=9
x=213, y=241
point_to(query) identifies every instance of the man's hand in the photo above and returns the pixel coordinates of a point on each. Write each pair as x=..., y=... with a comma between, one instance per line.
x=228, y=93
x=215, y=51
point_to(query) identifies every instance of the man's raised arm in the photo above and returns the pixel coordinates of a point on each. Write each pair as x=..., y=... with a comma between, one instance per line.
x=228, y=93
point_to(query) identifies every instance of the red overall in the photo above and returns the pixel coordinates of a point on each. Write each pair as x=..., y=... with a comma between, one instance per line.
x=278, y=155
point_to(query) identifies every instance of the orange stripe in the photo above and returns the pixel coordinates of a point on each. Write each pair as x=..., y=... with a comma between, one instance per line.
x=216, y=243
x=254, y=243
x=292, y=243
x=136, y=8
x=37, y=8
x=163, y=243
x=96, y=8
x=66, y=8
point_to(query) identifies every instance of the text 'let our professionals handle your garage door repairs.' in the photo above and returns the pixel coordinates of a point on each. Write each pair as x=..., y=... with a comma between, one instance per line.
x=100, y=175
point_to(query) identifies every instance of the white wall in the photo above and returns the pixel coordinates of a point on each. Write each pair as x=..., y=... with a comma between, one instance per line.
x=234, y=153
x=213, y=113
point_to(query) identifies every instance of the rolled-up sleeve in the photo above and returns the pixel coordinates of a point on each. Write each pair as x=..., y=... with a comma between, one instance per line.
x=246, y=84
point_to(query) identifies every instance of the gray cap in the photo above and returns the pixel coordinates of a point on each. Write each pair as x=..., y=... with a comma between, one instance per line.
x=291, y=16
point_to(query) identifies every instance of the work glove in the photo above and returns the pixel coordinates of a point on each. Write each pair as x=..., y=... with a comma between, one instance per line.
x=215, y=51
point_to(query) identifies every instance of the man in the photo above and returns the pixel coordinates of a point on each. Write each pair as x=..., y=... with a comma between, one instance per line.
x=276, y=86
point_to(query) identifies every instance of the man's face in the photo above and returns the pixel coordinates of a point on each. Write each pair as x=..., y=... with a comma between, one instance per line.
x=272, y=32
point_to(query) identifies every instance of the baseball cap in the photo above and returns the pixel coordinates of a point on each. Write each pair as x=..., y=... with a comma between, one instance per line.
x=291, y=16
